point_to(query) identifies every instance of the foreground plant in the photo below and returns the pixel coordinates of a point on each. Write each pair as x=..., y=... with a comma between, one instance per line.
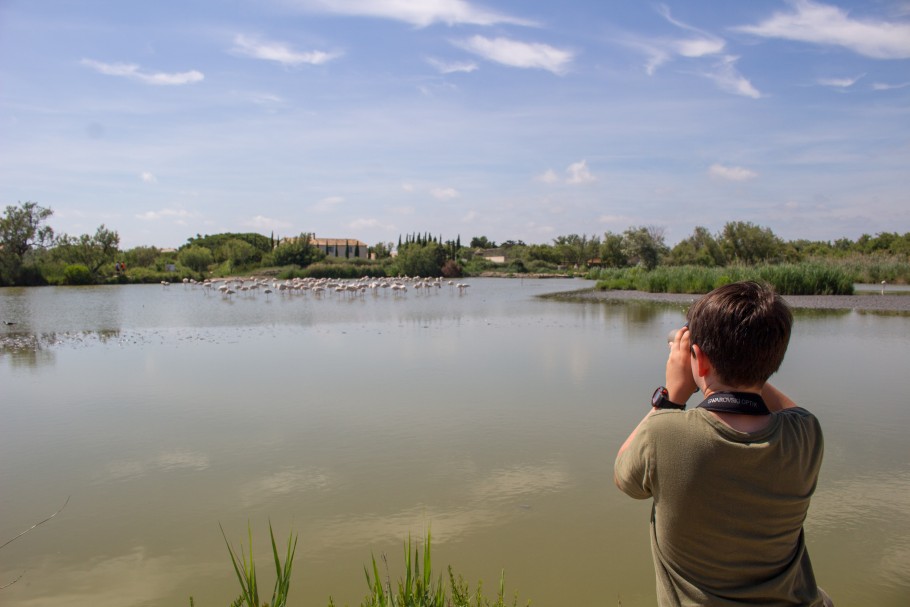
x=246, y=572
x=420, y=590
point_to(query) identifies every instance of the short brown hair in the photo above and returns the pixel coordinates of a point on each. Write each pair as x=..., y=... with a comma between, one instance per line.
x=743, y=328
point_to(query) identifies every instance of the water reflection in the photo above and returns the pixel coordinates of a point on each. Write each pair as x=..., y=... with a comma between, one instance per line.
x=177, y=459
x=135, y=578
x=25, y=349
x=488, y=501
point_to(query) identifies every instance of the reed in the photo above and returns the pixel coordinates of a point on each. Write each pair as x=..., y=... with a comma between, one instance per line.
x=246, y=572
x=809, y=278
x=420, y=588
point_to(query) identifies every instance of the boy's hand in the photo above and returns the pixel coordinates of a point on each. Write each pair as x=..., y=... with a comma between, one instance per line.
x=680, y=383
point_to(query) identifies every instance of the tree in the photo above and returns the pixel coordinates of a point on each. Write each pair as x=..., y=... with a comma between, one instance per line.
x=748, y=243
x=611, y=253
x=577, y=250
x=699, y=249
x=196, y=258
x=141, y=257
x=237, y=252
x=382, y=250
x=481, y=242
x=297, y=251
x=644, y=246
x=421, y=260
x=22, y=230
x=91, y=251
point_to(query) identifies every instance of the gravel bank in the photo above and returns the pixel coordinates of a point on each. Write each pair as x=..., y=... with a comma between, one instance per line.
x=859, y=303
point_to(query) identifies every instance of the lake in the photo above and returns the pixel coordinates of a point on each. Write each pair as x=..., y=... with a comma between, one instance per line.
x=486, y=414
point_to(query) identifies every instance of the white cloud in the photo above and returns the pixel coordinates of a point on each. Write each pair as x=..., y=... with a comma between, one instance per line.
x=470, y=216
x=883, y=86
x=133, y=72
x=444, y=193
x=420, y=14
x=366, y=224
x=147, y=177
x=728, y=79
x=452, y=68
x=839, y=82
x=278, y=52
x=548, y=176
x=731, y=173
x=407, y=187
x=259, y=222
x=164, y=214
x=327, y=204
x=519, y=54
x=660, y=51
x=578, y=173
x=818, y=23
x=700, y=45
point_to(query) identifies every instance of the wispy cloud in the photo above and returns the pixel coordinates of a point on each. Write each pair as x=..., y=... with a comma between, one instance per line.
x=548, y=176
x=420, y=14
x=727, y=78
x=514, y=53
x=147, y=177
x=818, y=23
x=884, y=86
x=576, y=173
x=445, y=67
x=697, y=43
x=327, y=204
x=731, y=173
x=260, y=222
x=165, y=214
x=444, y=193
x=134, y=72
x=843, y=83
x=279, y=52
x=365, y=223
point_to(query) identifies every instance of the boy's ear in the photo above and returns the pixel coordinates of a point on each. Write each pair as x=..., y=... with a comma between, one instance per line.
x=702, y=361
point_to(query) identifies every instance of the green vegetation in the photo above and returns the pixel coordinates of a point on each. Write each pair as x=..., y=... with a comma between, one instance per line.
x=416, y=589
x=246, y=572
x=788, y=279
x=638, y=258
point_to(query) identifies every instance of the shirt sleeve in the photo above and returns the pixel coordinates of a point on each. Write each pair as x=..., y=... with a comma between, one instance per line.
x=632, y=469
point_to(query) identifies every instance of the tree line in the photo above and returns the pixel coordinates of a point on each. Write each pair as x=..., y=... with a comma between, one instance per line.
x=31, y=253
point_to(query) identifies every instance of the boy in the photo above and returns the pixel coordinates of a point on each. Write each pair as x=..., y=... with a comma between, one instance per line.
x=731, y=479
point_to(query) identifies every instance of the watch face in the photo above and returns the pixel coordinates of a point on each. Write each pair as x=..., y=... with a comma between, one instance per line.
x=659, y=395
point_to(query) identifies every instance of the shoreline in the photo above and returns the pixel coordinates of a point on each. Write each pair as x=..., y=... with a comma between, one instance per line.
x=892, y=304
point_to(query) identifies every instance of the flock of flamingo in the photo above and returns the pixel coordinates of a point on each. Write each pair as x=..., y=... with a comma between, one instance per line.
x=320, y=286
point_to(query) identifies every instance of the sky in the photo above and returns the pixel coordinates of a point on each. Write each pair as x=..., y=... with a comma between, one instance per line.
x=511, y=119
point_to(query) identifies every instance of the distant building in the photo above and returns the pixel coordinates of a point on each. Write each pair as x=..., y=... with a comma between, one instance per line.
x=342, y=248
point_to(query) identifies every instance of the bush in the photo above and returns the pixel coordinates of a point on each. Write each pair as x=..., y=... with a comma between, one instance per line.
x=77, y=274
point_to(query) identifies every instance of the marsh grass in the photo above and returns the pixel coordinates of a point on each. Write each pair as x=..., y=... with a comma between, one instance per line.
x=420, y=586
x=420, y=589
x=787, y=279
x=246, y=572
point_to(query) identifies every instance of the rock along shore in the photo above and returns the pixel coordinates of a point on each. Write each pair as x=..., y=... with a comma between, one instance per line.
x=861, y=303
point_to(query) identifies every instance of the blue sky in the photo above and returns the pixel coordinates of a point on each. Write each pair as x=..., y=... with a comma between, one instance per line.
x=521, y=120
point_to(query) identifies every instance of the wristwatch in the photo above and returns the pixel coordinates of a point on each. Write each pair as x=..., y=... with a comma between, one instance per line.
x=661, y=400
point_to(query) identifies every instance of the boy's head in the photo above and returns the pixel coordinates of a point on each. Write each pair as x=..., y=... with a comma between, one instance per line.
x=743, y=328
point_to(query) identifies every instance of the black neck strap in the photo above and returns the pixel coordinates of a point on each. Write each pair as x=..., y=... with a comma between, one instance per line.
x=746, y=403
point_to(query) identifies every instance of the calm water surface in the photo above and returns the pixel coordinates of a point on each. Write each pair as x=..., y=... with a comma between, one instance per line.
x=490, y=417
